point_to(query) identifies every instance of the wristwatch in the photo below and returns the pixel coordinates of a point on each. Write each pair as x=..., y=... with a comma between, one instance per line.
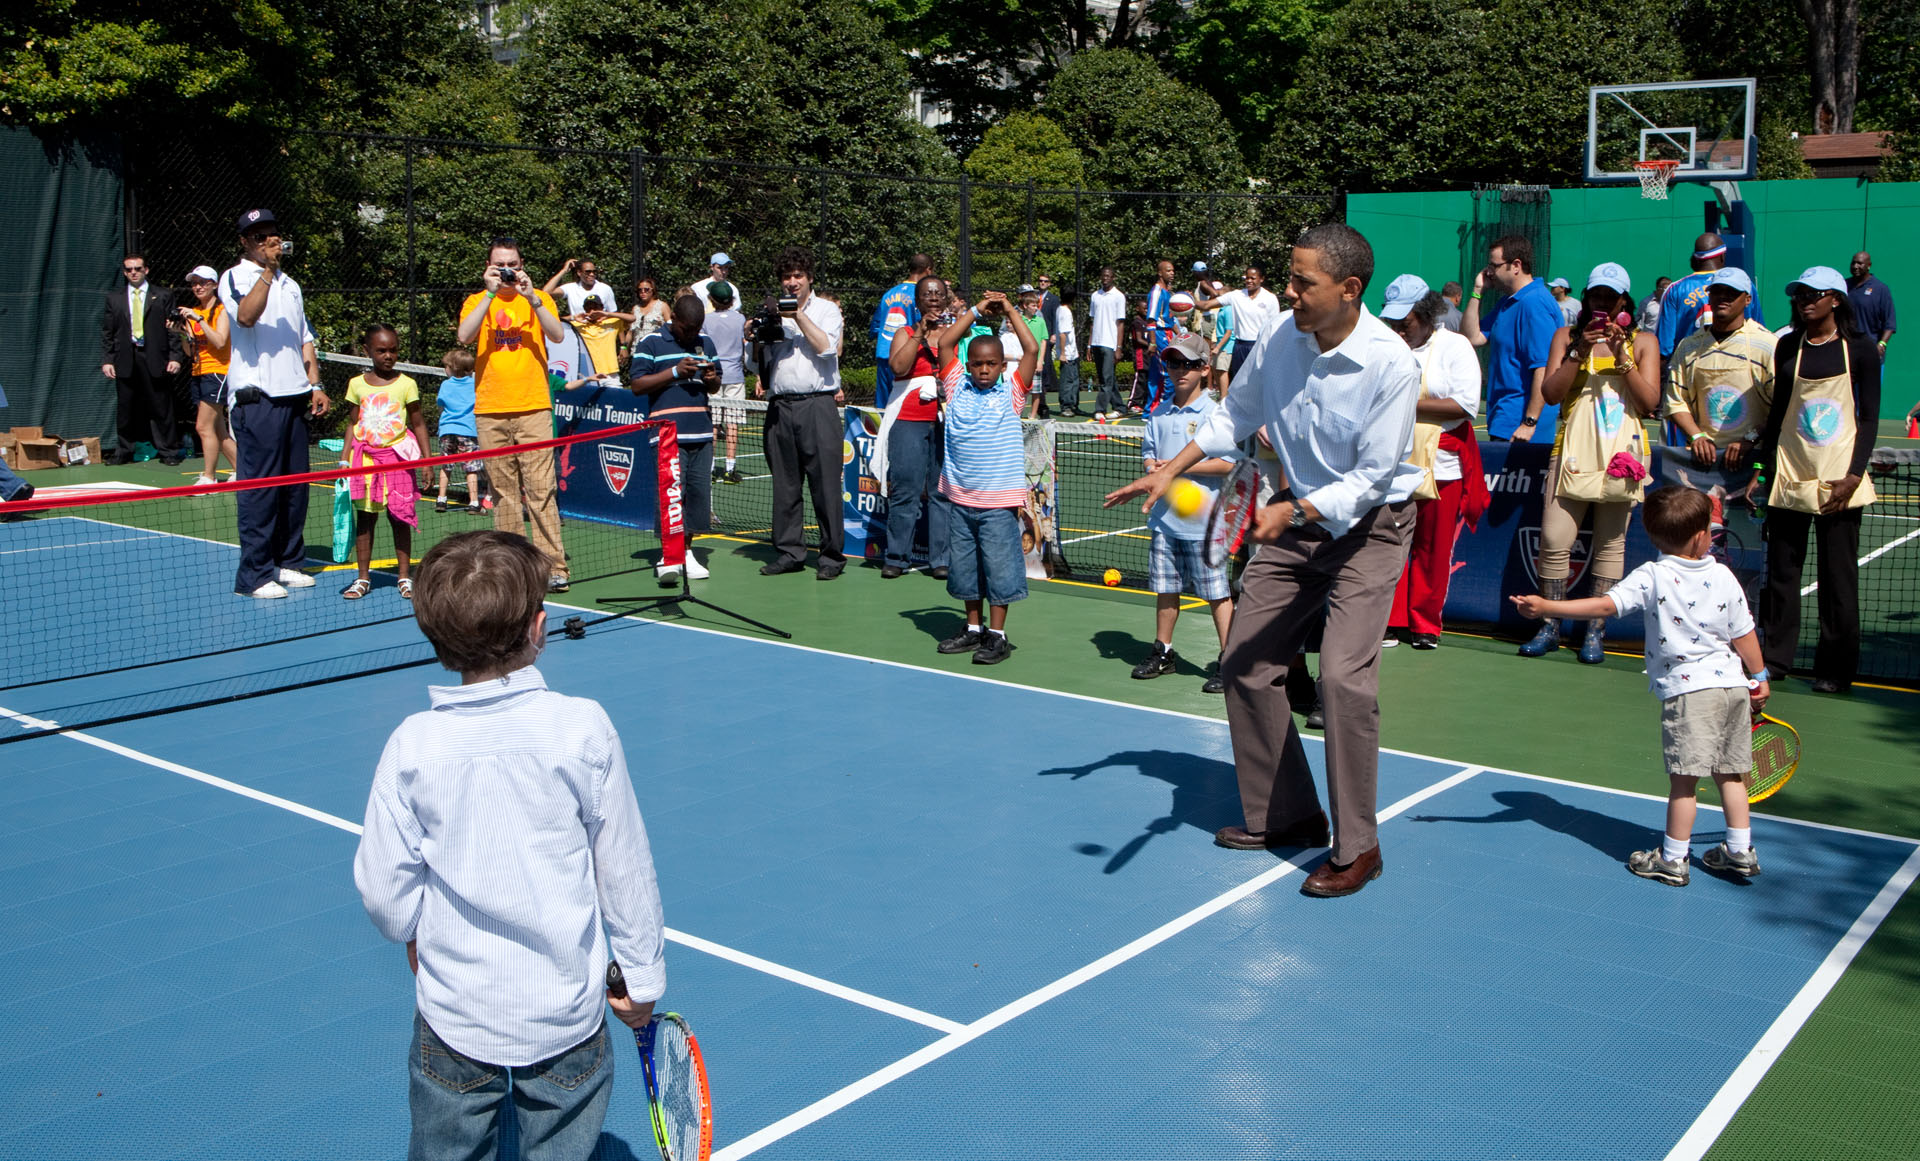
x=1299, y=517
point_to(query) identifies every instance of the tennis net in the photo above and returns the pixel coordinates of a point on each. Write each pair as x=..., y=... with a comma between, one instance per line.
x=113, y=586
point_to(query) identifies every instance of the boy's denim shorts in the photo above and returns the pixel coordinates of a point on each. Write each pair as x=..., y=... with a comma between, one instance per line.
x=984, y=557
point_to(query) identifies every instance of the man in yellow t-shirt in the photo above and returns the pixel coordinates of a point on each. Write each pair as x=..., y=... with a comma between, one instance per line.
x=511, y=321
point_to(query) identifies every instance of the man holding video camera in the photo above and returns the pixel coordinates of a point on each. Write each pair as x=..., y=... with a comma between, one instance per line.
x=795, y=339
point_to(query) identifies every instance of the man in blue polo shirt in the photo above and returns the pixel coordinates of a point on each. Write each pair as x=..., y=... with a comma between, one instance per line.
x=1872, y=303
x=1518, y=334
x=897, y=309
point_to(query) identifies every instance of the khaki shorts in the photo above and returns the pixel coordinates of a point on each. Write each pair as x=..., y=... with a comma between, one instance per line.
x=1707, y=732
x=721, y=408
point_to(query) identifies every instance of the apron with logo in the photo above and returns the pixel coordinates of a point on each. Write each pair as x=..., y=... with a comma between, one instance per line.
x=1816, y=440
x=1597, y=422
x=1725, y=401
x=1426, y=441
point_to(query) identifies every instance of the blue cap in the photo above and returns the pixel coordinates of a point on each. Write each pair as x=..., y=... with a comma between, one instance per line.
x=1402, y=293
x=1611, y=275
x=1199, y=267
x=720, y=259
x=1732, y=276
x=1819, y=278
x=1562, y=283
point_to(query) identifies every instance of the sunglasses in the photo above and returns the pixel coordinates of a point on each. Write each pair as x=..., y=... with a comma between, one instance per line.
x=1808, y=294
x=1180, y=364
x=132, y=269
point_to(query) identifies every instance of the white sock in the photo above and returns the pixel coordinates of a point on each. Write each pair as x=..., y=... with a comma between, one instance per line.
x=729, y=463
x=1739, y=839
x=1674, y=850
x=996, y=632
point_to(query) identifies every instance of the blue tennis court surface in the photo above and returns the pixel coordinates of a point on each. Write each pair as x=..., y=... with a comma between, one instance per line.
x=914, y=915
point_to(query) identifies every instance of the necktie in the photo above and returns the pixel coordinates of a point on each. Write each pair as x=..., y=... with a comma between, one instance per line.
x=139, y=314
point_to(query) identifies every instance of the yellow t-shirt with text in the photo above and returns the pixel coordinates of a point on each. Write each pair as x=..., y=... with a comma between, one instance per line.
x=510, y=363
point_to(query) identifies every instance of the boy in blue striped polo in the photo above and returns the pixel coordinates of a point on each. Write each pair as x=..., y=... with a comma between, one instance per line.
x=1174, y=562
x=985, y=474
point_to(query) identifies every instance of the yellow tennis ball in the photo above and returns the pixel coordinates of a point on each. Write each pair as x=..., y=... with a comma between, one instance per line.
x=1185, y=498
x=1111, y=577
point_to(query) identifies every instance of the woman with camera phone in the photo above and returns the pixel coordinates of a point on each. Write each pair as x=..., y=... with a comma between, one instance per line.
x=205, y=329
x=1603, y=372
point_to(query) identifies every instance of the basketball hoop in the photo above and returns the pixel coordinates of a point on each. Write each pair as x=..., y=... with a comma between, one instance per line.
x=1655, y=174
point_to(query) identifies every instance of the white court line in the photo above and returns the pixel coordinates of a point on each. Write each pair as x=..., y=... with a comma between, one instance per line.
x=1889, y=546
x=718, y=951
x=1214, y=721
x=834, y=1102
x=1713, y=1120
x=1099, y=535
x=80, y=544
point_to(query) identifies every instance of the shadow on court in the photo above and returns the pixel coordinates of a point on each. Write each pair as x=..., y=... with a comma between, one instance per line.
x=1613, y=837
x=1205, y=795
x=938, y=623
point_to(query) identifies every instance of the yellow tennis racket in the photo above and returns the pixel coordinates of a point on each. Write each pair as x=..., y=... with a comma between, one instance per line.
x=1776, y=755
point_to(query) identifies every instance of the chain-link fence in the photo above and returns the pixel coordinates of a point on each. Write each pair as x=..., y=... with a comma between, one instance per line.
x=393, y=229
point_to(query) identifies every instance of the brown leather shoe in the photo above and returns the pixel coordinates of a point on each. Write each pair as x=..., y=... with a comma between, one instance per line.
x=1308, y=832
x=1333, y=880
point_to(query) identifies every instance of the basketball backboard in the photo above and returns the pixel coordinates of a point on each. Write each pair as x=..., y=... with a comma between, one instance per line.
x=1706, y=126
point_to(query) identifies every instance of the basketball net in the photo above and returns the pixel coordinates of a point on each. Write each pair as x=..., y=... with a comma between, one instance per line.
x=1654, y=176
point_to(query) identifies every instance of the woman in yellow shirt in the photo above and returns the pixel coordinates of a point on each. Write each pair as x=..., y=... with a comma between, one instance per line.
x=1604, y=373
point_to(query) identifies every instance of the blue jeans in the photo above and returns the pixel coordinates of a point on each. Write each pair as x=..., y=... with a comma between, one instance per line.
x=1070, y=384
x=1109, y=397
x=457, y=1100
x=986, y=556
x=913, y=471
x=882, y=383
x=10, y=484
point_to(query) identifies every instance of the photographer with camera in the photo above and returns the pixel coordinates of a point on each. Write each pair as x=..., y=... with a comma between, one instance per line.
x=512, y=321
x=273, y=384
x=795, y=339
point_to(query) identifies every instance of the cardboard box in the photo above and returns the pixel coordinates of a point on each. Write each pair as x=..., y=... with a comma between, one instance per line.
x=30, y=449
x=75, y=453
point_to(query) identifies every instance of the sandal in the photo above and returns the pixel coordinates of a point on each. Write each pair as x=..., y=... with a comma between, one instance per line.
x=406, y=588
x=358, y=589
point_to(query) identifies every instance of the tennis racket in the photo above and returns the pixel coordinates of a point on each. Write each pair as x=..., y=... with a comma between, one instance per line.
x=1776, y=755
x=678, y=1100
x=1232, y=512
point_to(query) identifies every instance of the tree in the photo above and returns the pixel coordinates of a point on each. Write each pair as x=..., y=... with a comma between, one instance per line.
x=984, y=59
x=1833, y=29
x=1242, y=53
x=1018, y=231
x=1413, y=94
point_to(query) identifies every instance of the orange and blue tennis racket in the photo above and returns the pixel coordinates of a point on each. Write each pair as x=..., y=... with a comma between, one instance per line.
x=679, y=1103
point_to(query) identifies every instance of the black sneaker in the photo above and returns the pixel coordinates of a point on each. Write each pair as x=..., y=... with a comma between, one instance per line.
x=1425, y=641
x=718, y=474
x=730, y=476
x=892, y=572
x=1214, y=683
x=781, y=567
x=439, y=505
x=994, y=649
x=938, y=573
x=1160, y=661
x=965, y=642
x=829, y=569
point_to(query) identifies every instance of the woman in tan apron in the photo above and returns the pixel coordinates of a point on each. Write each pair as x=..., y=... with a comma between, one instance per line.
x=1815, y=447
x=1605, y=375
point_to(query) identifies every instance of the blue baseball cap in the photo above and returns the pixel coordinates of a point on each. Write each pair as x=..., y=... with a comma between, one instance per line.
x=720, y=259
x=1402, y=293
x=1561, y=283
x=1199, y=267
x=1611, y=275
x=1819, y=278
x=1731, y=276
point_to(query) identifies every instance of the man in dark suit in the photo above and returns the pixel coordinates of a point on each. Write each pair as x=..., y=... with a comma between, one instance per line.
x=141, y=355
x=1049, y=370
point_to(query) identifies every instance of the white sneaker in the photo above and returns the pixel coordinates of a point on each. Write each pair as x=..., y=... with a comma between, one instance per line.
x=696, y=570
x=1389, y=642
x=268, y=591
x=295, y=579
x=203, y=481
x=666, y=574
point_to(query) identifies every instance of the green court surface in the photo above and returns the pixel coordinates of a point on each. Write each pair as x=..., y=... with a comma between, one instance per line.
x=1847, y=1086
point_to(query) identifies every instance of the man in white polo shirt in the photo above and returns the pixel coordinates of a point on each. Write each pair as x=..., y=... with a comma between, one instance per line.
x=719, y=269
x=273, y=381
x=1256, y=312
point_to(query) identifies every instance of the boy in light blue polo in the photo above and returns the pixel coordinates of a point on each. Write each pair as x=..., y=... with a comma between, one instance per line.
x=1174, y=560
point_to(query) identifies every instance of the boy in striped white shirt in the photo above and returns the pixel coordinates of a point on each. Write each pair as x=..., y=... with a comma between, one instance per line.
x=501, y=834
x=985, y=475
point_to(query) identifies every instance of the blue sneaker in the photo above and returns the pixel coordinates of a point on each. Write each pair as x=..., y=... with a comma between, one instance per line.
x=1593, y=648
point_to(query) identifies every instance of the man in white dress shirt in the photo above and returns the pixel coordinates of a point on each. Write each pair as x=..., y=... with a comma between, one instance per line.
x=1334, y=389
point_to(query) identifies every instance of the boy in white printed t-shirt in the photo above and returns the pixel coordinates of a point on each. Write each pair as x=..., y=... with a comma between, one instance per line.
x=1703, y=659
